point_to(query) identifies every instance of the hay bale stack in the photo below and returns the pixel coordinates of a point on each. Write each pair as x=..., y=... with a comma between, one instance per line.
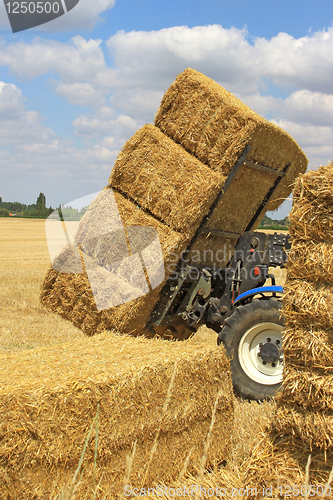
x=304, y=419
x=303, y=422
x=215, y=126
x=156, y=395
x=166, y=179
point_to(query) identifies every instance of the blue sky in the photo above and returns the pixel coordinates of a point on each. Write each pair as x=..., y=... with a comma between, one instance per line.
x=75, y=89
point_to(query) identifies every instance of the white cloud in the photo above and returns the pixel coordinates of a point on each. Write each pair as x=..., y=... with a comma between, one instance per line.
x=19, y=127
x=148, y=58
x=11, y=106
x=81, y=94
x=316, y=141
x=306, y=62
x=263, y=105
x=75, y=61
x=151, y=59
x=138, y=102
x=84, y=16
x=127, y=93
x=310, y=107
x=104, y=123
x=302, y=106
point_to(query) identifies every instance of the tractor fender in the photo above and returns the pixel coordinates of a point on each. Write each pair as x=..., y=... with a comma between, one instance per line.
x=255, y=291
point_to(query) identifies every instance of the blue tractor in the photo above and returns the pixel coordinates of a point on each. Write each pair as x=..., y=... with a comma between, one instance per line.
x=235, y=300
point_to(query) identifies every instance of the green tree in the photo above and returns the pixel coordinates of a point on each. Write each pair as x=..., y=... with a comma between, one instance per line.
x=41, y=202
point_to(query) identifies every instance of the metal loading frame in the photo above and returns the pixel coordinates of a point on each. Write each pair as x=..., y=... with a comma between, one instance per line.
x=173, y=286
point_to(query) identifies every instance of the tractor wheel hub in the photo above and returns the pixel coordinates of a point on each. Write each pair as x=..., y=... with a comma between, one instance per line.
x=269, y=352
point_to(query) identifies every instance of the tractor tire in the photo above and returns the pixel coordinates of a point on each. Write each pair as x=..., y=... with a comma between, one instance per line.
x=252, y=331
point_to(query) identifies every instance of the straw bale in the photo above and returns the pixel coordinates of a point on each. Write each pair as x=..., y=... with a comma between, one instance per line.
x=311, y=217
x=234, y=212
x=163, y=178
x=97, y=229
x=307, y=304
x=71, y=297
x=147, y=391
x=129, y=317
x=309, y=389
x=307, y=347
x=214, y=125
x=311, y=261
x=314, y=430
x=118, y=287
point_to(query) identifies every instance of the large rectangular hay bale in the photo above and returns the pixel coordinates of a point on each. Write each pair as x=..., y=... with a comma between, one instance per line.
x=233, y=213
x=215, y=126
x=150, y=393
x=166, y=180
x=311, y=261
x=112, y=214
x=109, y=291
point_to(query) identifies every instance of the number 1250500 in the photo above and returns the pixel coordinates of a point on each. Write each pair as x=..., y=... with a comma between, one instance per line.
x=32, y=7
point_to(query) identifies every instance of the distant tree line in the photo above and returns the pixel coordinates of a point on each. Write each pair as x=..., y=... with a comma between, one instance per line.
x=39, y=210
x=268, y=223
x=36, y=210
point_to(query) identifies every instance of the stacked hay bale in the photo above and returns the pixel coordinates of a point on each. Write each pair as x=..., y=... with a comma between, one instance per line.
x=305, y=406
x=166, y=404
x=215, y=126
x=167, y=178
x=70, y=294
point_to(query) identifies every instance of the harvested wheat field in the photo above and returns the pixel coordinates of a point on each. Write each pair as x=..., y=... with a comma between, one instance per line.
x=24, y=260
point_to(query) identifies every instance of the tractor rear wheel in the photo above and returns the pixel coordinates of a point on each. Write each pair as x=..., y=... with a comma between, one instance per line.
x=252, y=337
